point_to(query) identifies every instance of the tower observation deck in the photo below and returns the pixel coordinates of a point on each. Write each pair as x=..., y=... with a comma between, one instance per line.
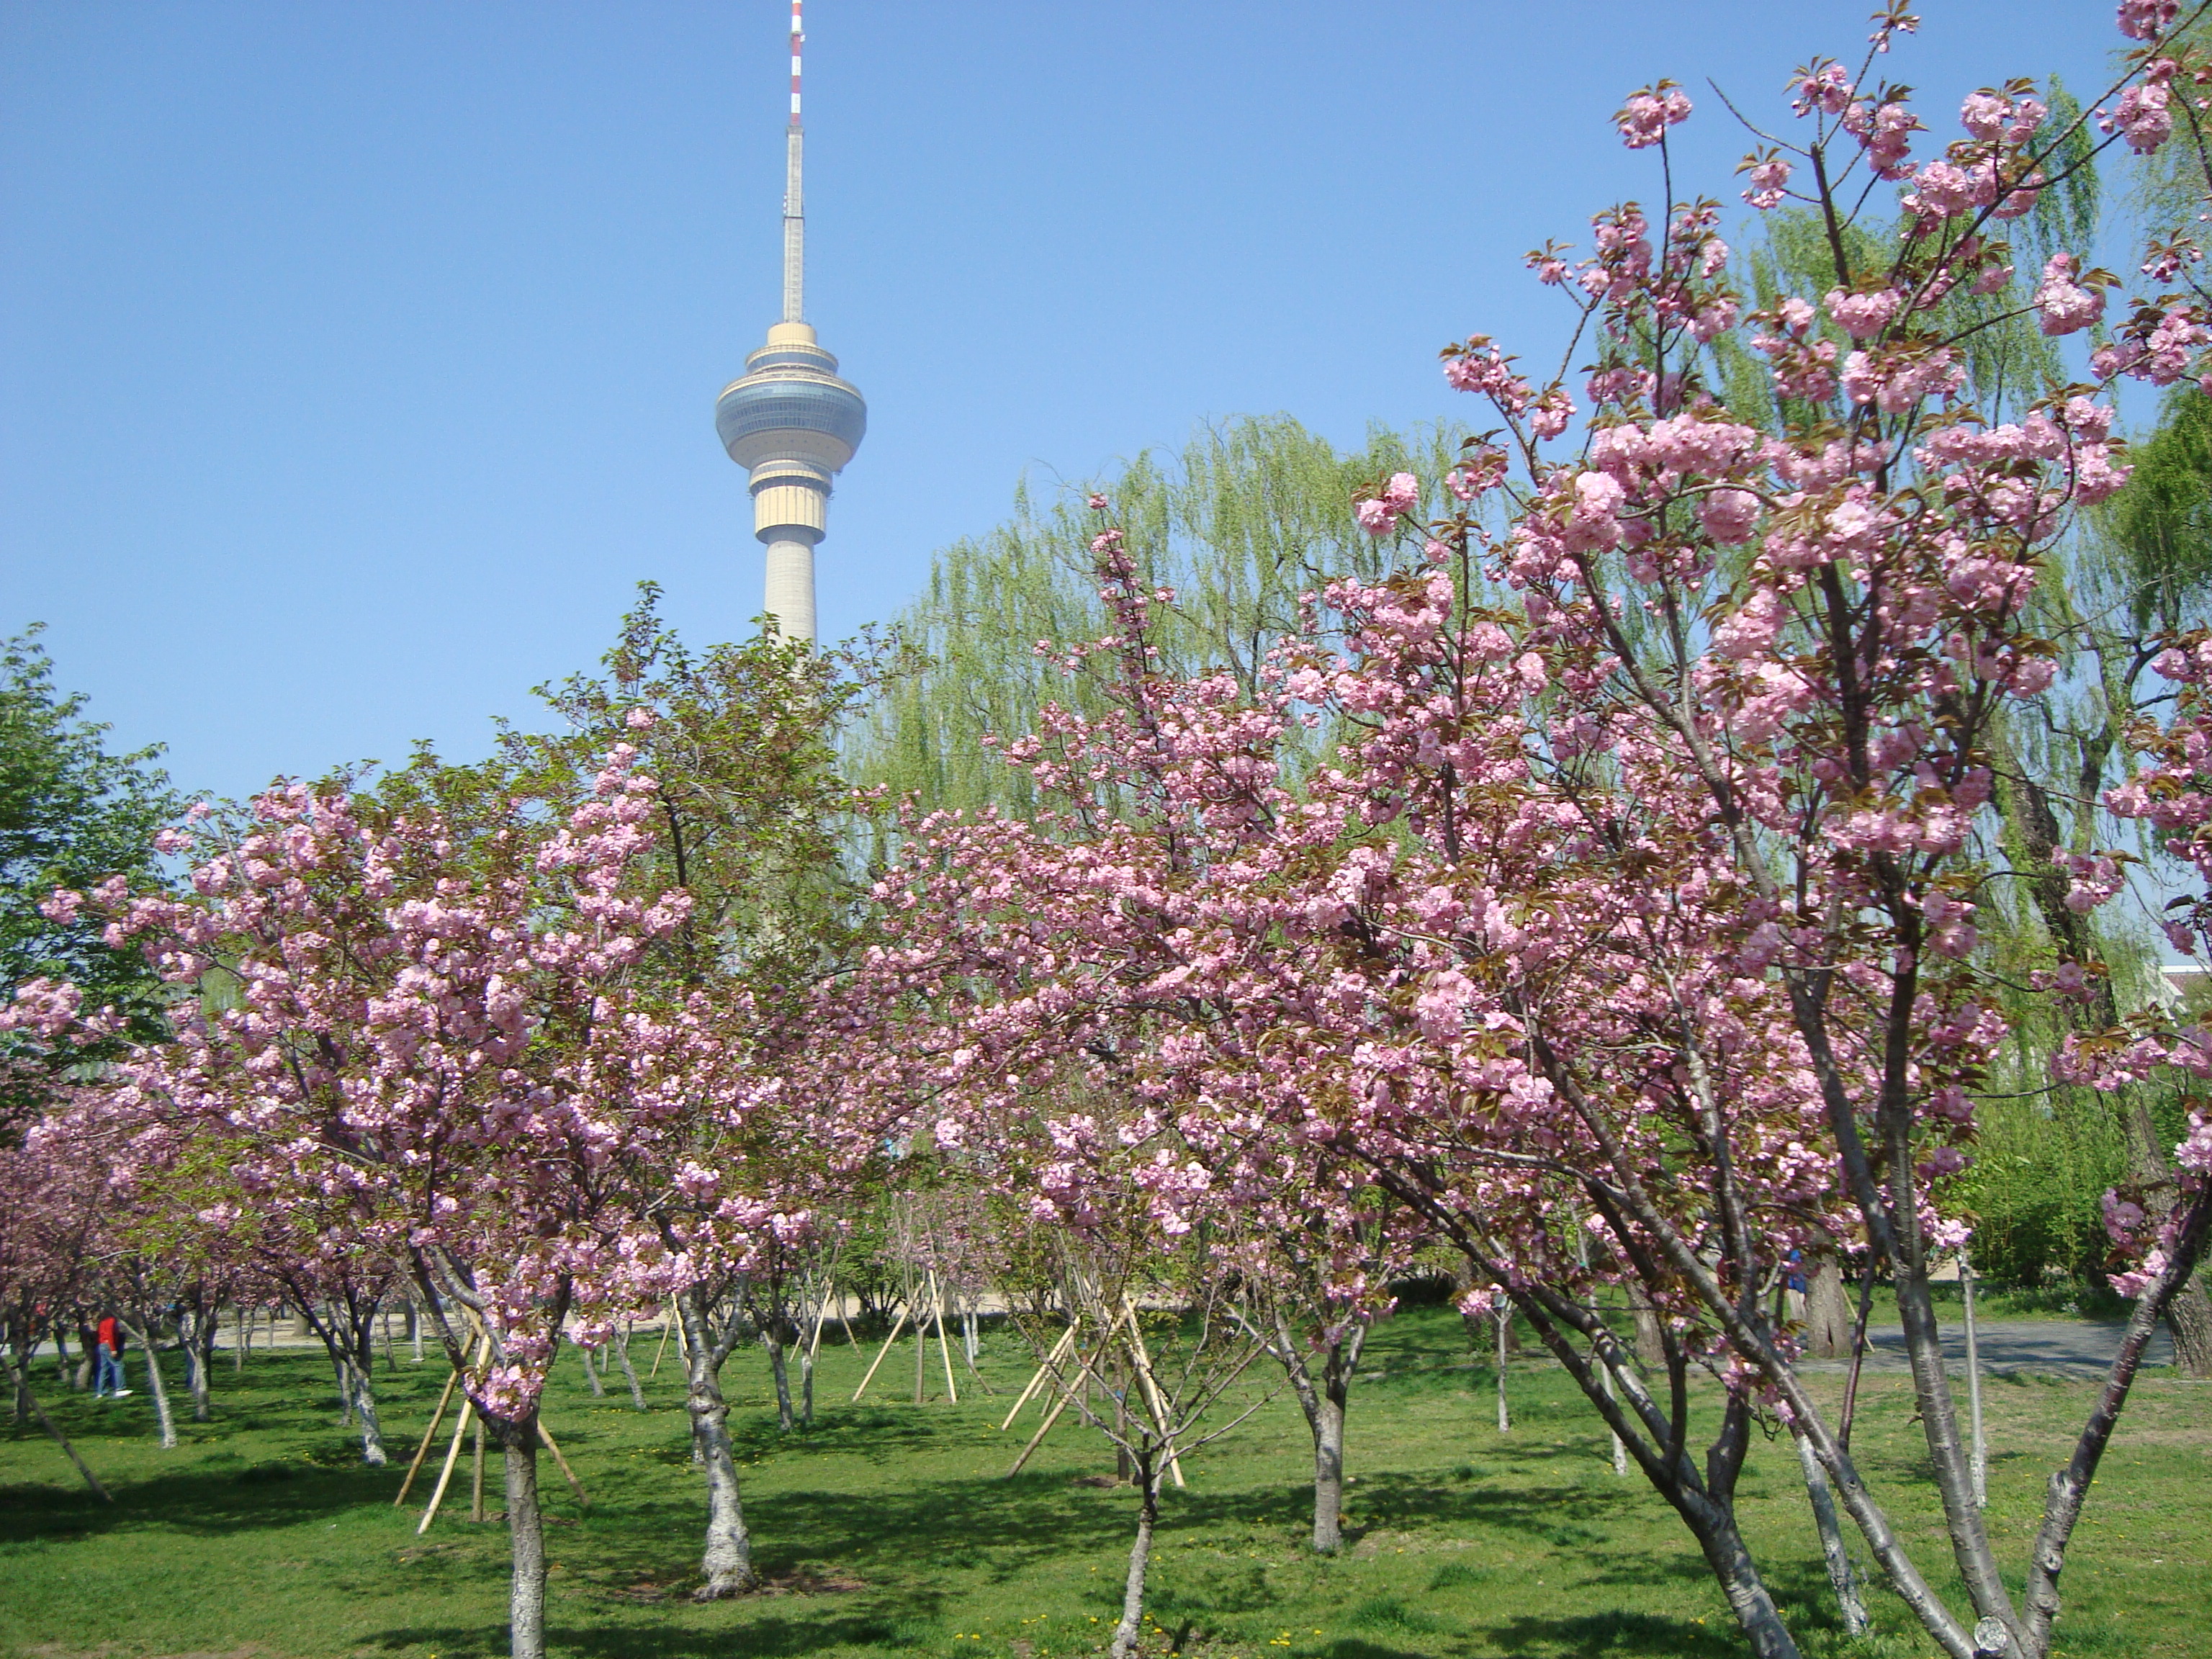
x=789, y=421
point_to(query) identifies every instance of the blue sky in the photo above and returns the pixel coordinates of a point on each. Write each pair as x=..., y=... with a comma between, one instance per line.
x=355, y=359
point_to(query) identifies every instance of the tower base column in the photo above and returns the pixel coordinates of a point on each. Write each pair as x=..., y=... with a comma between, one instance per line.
x=790, y=588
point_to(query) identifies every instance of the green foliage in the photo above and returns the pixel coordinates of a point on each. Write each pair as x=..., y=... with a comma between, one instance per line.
x=2041, y=1169
x=1250, y=515
x=2158, y=531
x=71, y=814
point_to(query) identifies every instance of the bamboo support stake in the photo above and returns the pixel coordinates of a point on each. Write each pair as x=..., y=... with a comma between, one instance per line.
x=428, y=1435
x=663, y=1348
x=1043, y=1429
x=575, y=1486
x=944, y=1348
x=1037, y=1379
x=445, y=1474
x=880, y=1357
x=1144, y=1359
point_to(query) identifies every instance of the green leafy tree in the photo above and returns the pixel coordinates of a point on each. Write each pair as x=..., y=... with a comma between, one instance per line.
x=1251, y=515
x=71, y=814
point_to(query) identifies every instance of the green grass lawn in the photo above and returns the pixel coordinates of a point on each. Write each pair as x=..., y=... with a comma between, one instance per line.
x=892, y=1529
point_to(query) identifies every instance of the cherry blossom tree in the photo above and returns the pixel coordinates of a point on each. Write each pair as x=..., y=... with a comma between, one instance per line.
x=1629, y=931
x=430, y=1045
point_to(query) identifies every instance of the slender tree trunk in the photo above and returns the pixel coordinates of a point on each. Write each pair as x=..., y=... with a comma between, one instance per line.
x=781, y=1372
x=1140, y=1556
x=1831, y=1541
x=24, y=1383
x=21, y=1375
x=341, y=1370
x=728, y=1562
x=1323, y=1404
x=371, y=1429
x=629, y=1370
x=193, y=1336
x=476, y=1475
x=591, y=1375
x=162, y=1416
x=525, y=1531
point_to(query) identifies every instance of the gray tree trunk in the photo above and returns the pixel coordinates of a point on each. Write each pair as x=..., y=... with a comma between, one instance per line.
x=728, y=1562
x=372, y=1431
x=162, y=1416
x=1840, y=1574
x=1140, y=1556
x=629, y=1370
x=781, y=1372
x=1827, y=1311
x=591, y=1374
x=525, y=1531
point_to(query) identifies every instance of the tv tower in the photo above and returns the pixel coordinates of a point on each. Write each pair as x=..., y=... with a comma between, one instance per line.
x=788, y=419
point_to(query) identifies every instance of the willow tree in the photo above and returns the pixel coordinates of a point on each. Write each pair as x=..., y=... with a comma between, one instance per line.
x=1245, y=517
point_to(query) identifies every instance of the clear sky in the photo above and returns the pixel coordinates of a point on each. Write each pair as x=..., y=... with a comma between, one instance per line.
x=356, y=359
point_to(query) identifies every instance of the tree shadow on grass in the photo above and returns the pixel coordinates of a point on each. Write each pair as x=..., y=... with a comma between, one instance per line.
x=785, y=1633
x=1620, y=1635
x=247, y=1498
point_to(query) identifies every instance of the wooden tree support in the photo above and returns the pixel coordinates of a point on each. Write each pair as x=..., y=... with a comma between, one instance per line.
x=445, y=1474
x=880, y=1357
x=658, y=1352
x=575, y=1485
x=1144, y=1359
x=1037, y=1379
x=1043, y=1429
x=428, y=1435
x=944, y=1348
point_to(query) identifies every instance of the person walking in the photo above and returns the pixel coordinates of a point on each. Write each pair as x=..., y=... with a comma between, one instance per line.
x=110, y=1336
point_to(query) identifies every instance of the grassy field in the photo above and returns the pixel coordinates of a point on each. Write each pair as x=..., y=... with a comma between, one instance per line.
x=891, y=1529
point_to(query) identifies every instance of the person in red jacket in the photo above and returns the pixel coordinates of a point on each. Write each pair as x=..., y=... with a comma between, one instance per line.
x=110, y=1337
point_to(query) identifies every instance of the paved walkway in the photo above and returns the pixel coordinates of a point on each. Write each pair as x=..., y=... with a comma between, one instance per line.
x=2016, y=1347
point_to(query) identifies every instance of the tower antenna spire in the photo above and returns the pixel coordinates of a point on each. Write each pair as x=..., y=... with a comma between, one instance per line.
x=794, y=199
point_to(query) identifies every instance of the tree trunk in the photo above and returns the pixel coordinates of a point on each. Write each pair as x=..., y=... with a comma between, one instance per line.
x=195, y=1336
x=1140, y=1556
x=476, y=1475
x=1650, y=1341
x=372, y=1431
x=2189, y=1316
x=781, y=1372
x=1715, y=1529
x=1323, y=1404
x=339, y=1369
x=1827, y=1311
x=162, y=1415
x=591, y=1375
x=525, y=1531
x=23, y=1382
x=629, y=1370
x=21, y=1374
x=1831, y=1541
x=728, y=1562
